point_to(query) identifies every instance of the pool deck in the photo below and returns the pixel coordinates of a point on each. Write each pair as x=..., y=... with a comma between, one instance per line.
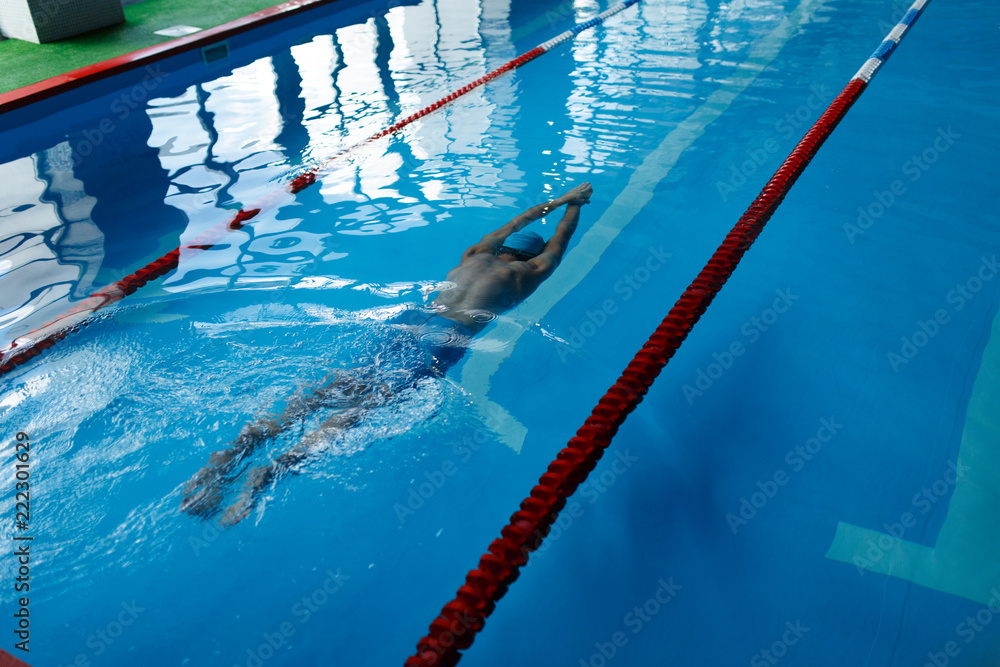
x=26, y=63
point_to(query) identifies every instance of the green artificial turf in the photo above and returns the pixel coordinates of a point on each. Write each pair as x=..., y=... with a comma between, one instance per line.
x=23, y=63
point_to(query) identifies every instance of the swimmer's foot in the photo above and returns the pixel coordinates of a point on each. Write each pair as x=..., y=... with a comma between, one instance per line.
x=203, y=492
x=257, y=480
x=202, y=502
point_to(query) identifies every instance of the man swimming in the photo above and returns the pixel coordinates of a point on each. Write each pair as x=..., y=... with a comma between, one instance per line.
x=501, y=270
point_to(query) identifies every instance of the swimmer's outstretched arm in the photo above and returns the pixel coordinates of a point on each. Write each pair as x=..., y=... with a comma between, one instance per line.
x=489, y=243
x=547, y=261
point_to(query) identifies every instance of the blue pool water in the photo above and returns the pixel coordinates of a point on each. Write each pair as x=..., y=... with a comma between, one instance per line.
x=839, y=391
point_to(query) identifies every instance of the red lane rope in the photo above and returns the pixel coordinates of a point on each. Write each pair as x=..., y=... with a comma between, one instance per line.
x=462, y=618
x=29, y=345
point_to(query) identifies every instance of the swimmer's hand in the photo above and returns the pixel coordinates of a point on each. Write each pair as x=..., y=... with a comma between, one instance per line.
x=579, y=195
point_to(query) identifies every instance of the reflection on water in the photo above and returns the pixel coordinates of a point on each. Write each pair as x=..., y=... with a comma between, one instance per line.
x=50, y=244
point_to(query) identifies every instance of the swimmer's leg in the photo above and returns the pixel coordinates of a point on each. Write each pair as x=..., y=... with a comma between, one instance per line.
x=261, y=477
x=366, y=396
x=204, y=491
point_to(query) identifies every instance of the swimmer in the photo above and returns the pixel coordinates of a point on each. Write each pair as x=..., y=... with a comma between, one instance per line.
x=494, y=275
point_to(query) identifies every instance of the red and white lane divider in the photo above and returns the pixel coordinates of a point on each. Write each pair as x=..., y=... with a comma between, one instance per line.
x=463, y=617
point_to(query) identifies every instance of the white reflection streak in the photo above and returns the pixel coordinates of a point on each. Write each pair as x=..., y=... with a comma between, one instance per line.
x=417, y=71
x=467, y=122
x=244, y=105
x=457, y=57
x=360, y=109
x=317, y=60
x=186, y=128
x=33, y=263
x=237, y=107
x=180, y=139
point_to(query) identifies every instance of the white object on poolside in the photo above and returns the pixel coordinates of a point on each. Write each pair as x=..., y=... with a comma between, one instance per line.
x=43, y=21
x=177, y=31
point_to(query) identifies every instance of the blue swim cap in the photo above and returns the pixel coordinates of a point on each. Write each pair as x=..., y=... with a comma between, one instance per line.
x=525, y=243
